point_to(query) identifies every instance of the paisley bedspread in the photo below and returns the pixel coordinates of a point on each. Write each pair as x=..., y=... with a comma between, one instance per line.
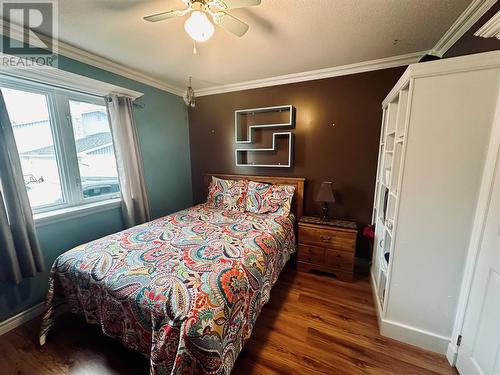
x=185, y=289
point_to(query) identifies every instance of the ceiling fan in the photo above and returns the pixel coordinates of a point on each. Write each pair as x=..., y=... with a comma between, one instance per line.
x=198, y=25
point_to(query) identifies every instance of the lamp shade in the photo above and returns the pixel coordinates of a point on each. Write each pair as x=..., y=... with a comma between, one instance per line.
x=199, y=27
x=325, y=193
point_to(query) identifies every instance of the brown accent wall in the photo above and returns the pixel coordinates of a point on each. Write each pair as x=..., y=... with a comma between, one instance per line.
x=469, y=44
x=345, y=153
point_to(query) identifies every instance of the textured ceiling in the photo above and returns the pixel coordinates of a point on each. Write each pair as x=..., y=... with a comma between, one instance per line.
x=285, y=36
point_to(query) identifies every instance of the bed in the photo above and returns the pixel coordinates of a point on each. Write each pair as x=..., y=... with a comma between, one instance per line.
x=185, y=289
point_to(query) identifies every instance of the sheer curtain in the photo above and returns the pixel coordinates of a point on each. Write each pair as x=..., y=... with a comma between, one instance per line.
x=128, y=157
x=20, y=253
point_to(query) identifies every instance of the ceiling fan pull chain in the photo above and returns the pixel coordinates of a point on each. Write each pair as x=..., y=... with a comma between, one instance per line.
x=195, y=51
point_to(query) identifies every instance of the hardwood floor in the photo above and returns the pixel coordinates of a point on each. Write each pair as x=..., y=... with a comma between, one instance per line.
x=313, y=324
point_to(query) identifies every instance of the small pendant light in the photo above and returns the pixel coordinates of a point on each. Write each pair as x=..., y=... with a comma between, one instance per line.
x=189, y=97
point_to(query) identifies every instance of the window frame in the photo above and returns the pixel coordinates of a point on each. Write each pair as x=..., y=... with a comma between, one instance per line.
x=76, y=188
x=64, y=141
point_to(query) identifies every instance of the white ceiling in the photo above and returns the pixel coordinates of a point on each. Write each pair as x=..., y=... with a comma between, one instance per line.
x=285, y=36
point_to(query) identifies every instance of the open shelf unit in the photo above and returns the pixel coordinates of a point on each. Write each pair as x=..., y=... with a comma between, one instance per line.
x=248, y=121
x=391, y=157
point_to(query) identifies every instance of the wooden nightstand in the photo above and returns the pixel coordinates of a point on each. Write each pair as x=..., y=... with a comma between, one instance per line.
x=327, y=246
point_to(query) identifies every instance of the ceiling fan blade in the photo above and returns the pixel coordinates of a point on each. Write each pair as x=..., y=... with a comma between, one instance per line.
x=230, y=23
x=232, y=4
x=166, y=15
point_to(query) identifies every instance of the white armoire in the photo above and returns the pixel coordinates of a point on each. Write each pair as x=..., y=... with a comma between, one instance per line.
x=435, y=131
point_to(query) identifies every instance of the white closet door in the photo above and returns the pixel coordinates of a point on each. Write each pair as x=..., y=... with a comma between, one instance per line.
x=479, y=352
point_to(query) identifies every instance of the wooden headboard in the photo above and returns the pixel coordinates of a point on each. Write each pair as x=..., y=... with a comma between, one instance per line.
x=298, y=182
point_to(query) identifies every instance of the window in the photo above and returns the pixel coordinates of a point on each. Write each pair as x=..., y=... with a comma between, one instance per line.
x=94, y=146
x=64, y=142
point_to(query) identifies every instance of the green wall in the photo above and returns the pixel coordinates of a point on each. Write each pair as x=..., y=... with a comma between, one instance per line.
x=164, y=140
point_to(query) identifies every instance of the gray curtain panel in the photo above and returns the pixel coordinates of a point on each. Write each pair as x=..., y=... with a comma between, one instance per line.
x=20, y=253
x=135, y=205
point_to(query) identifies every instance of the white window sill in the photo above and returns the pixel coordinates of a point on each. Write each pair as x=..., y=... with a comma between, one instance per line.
x=55, y=216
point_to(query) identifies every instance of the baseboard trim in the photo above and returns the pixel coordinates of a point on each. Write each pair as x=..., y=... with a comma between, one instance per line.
x=21, y=318
x=452, y=354
x=405, y=333
x=415, y=336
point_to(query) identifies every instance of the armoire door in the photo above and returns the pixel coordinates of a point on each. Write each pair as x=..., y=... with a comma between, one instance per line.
x=479, y=351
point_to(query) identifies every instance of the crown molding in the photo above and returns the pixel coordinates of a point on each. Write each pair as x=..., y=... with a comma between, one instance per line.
x=70, y=51
x=67, y=80
x=463, y=23
x=365, y=66
x=78, y=54
x=89, y=58
x=490, y=29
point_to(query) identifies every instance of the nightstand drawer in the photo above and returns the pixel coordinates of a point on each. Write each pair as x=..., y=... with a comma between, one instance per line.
x=339, y=259
x=327, y=238
x=311, y=254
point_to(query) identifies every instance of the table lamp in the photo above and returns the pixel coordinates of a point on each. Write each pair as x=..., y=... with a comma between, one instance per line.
x=325, y=196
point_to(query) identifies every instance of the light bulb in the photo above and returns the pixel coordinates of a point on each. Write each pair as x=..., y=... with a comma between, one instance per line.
x=199, y=27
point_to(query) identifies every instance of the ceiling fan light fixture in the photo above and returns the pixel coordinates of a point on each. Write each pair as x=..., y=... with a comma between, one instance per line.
x=199, y=27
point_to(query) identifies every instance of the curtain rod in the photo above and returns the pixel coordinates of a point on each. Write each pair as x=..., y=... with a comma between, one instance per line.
x=137, y=105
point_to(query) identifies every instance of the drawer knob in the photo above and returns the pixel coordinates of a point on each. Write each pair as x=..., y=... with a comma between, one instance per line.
x=325, y=238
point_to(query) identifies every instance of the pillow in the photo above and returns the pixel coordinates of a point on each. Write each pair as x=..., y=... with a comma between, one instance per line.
x=227, y=194
x=267, y=198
